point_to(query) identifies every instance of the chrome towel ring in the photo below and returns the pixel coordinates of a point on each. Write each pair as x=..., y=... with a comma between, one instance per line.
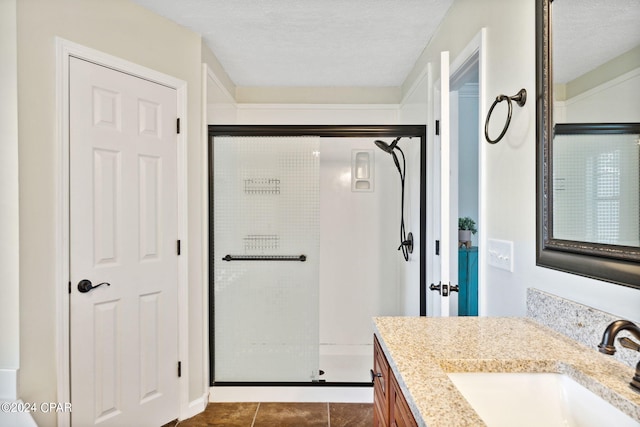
x=520, y=98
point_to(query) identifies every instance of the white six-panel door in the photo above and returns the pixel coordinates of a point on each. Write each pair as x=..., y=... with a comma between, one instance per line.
x=123, y=231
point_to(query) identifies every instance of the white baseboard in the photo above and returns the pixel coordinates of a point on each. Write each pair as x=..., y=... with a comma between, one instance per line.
x=17, y=417
x=8, y=385
x=292, y=394
x=195, y=407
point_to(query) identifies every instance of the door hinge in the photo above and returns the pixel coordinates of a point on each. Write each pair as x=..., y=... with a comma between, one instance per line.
x=179, y=369
x=437, y=247
x=178, y=125
x=178, y=247
x=437, y=127
x=69, y=286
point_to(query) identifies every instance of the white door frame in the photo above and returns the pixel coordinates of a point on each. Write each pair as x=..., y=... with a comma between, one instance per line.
x=64, y=50
x=477, y=46
x=446, y=233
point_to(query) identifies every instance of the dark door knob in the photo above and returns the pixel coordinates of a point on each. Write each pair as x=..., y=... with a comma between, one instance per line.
x=444, y=288
x=441, y=288
x=85, y=285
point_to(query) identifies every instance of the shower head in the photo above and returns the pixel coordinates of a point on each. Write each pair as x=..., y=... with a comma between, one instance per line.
x=387, y=147
x=406, y=241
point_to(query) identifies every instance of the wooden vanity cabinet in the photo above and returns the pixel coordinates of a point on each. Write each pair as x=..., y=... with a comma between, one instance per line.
x=390, y=408
x=380, y=376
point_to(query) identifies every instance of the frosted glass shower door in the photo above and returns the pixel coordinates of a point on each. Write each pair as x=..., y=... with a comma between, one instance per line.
x=266, y=249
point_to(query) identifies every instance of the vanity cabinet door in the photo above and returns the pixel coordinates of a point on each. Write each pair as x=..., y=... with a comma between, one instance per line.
x=380, y=386
x=399, y=412
x=390, y=408
x=378, y=418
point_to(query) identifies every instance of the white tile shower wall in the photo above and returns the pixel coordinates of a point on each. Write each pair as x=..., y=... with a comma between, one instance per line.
x=579, y=322
x=409, y=271
x=266, y=203
x=359, y=232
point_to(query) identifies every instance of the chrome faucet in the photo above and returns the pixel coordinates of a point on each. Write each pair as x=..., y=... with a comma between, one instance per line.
x=606, y=345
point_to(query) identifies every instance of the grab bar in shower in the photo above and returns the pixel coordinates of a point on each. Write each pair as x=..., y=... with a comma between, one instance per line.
x=301, y=258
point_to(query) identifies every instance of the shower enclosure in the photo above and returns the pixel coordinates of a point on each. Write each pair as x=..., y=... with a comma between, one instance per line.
x=304, y=250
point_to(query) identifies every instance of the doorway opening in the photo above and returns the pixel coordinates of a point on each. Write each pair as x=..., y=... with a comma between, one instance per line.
x=465, y=183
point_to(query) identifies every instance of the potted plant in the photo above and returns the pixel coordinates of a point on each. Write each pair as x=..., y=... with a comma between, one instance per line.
x=466, y=227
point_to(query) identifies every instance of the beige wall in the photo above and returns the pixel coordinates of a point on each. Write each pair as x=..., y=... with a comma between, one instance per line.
x=9, y=221
x=318, y=95
x=510, y=164
x=216, y=68
x=615, y=101
x=599, y=76
x=125, y=30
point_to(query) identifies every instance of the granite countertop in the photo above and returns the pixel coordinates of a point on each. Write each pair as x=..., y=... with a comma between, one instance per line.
x=422, y=350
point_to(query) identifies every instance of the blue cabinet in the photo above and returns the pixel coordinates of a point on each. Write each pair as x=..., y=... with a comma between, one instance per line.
x=468, y=281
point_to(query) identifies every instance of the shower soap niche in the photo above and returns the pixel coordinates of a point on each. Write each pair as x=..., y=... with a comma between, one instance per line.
x=362, y=170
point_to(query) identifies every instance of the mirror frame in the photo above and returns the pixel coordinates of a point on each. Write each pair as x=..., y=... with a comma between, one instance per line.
x=611, y=263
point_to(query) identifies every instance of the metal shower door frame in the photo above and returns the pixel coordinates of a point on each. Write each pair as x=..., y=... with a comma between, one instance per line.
x=332, y=131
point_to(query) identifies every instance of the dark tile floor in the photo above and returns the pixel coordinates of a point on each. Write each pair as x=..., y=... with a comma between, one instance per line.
x=281, y=415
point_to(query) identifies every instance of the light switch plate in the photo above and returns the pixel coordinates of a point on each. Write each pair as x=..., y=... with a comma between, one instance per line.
x=501, y=254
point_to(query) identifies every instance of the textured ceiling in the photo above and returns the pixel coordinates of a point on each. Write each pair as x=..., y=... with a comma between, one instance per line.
x=323, y=43
x=588, y=33
x=310, y=42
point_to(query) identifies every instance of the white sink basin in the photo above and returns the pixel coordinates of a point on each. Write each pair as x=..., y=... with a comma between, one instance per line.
x=536, y=399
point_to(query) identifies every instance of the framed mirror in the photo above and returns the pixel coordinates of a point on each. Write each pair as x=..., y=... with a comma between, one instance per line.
x=588, y=136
